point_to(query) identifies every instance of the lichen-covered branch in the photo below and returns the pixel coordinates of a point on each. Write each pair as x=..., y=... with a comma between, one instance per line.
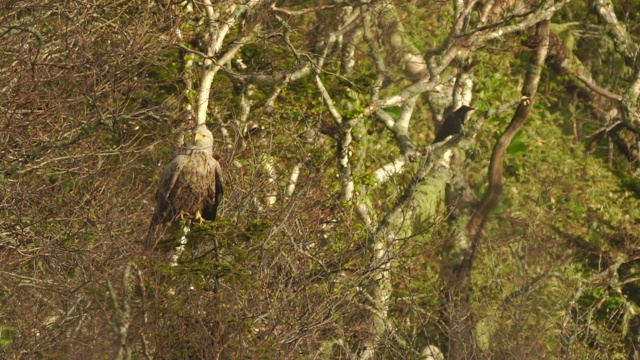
x=122, y=314
x=629, y=50
x=621, y=37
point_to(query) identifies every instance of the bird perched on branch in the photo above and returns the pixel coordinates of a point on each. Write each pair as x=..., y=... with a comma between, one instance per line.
x=191, y=184
x=453, y=122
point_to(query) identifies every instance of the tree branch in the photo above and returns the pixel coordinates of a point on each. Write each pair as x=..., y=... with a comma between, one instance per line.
x=621, y=37
x=494, y=190
x=216, y=38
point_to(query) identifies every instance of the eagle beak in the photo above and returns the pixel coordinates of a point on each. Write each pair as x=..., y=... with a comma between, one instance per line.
x=197, y=137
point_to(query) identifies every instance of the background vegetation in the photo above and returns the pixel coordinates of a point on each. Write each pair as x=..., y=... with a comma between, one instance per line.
x=344, y=233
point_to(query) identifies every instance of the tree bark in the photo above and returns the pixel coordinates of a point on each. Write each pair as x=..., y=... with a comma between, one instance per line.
x=463, y=243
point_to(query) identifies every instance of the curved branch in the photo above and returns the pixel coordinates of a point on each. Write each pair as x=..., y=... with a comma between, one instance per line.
x=434, y=153
x=494, y=192
x=593, y=86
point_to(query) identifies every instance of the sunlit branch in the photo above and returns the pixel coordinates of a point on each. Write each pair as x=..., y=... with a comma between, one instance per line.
x=335, y=114
x=402, y=127
x=343, y=142
x=389, y=170
x=434, y=152
x=293, y=179
x=449, y=49
x=216, y=38
x=486, y=10
x=482, y=34
x=122, y=313
x=268, y=166
x=621, y=37
x=303, y=11
x=347, y=61
x=625, y=45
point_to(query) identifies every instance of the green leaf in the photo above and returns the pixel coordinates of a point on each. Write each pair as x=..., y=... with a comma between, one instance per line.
x=517, y=145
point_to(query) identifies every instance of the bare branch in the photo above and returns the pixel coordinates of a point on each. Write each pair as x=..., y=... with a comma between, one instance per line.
x=389, y=170
x=293, y=179
x=216, y=38
x=494, y=192
x=335, y=114
x=303, y=11
x=593, y=86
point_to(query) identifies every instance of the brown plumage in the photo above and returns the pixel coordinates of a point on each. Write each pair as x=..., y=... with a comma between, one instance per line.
x=191, y=184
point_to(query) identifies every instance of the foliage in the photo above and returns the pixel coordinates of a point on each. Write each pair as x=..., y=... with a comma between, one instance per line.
x=95, y=95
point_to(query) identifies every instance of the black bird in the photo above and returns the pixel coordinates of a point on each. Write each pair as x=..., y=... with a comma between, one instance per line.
x=453, y=122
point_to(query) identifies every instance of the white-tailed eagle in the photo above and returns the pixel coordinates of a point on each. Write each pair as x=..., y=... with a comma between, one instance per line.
x=191, y=184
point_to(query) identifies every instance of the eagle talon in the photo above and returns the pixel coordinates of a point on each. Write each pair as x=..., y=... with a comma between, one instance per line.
x=199, y=217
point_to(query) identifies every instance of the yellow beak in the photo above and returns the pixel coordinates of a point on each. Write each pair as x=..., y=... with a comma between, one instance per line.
x=197, y=137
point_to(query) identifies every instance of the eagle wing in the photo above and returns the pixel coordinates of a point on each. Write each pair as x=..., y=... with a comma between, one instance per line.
x=214, y=193
x=164, y=208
